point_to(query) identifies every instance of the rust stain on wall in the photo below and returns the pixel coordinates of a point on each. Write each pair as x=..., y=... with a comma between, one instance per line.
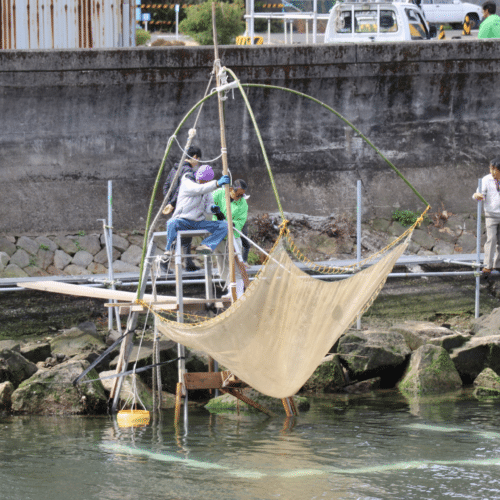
x=61, y=24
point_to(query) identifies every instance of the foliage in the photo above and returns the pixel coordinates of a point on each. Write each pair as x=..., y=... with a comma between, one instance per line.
x=228, y=18
x=255, y=258
x=405, y=217
x=142, y=37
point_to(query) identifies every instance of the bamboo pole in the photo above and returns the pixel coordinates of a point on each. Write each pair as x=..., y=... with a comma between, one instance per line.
x=225, y=169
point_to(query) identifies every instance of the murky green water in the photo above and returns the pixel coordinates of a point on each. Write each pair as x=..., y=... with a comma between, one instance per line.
x=376, y=446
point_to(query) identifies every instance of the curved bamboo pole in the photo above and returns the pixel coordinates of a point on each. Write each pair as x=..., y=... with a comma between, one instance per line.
x=336, y=113
x=149, y=226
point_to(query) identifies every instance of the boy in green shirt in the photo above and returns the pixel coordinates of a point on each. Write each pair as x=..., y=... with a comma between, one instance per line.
x=490, y=26
x=239, y=212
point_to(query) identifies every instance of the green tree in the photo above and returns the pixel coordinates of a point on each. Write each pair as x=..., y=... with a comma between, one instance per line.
x=228, y=18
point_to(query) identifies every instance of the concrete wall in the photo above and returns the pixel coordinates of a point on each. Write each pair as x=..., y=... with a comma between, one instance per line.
x=71, y=120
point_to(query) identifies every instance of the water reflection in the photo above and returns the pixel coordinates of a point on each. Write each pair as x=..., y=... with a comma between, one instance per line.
x=373, y=446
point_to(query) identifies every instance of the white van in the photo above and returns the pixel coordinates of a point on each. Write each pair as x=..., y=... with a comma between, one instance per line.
x=377, y=22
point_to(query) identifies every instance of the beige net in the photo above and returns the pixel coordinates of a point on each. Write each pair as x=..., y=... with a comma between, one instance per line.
x=276, y=335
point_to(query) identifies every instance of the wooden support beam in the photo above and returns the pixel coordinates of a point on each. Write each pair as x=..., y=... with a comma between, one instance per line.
x=239, y=395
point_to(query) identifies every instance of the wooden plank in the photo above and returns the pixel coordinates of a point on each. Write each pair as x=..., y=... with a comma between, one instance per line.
x=203, y=380
x=88, y=291
x=237, y=394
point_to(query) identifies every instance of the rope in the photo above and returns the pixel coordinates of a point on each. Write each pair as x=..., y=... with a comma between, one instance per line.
x=351, y=268
x=187, y=156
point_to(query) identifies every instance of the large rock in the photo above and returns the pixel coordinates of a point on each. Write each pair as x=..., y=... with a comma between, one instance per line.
x=363, y=386
x=372, y=353
x=90, y=243
x=4, y=259
x=418, y=333
x=13, y=345
x=487, y=384
x=44, y=258
x=476, y=355
x=132, y=255
x=328, y=377
x=74, y=270
x=66, y=244
x=195, y=362
x=144, y=392
x=82, y=258
x=95, y=268
x=61, y=259
x=487, y=325
x=229, y=404
x=22, y=259
x=45, y=243
x=430, y=371
x=466, y=243
x=13, y=271
x=119, y=242
x=52, y=392
x=423, y=238
x=122, y=267
x=7, y=246
x=6, y=390
x=102, y=256
x=14, y=367
x=35, y=352
x=27, y=244
x=75, y=341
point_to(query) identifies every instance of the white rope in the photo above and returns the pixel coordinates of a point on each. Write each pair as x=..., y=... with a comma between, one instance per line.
x=201, y=161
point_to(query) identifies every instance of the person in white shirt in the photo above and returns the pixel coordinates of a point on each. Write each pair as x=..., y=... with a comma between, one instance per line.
x=193, y=204
x=490, y=193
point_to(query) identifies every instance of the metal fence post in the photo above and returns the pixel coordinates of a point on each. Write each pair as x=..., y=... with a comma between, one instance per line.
x=478, y=252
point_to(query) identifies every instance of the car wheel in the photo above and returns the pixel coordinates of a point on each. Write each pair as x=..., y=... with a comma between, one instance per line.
x=474, y=20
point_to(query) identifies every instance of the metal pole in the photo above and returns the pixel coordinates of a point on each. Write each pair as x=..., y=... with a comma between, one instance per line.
x=291, y=31
x=315, y=20
x=252, y=21
x=126, y=23
x=358, y=237
x=268, y=30
x=109, y=230
x=284, y=28
x=181, y=350
x=176, y=21
x=478, y=251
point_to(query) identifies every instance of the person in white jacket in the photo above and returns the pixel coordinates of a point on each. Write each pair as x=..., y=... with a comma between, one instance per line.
x=193, y=203
x=490, y=193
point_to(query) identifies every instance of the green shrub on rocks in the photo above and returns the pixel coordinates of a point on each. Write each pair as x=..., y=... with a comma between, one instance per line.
x=405, y=217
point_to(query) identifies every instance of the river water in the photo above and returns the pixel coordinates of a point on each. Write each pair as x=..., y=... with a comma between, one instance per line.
x=376, y=446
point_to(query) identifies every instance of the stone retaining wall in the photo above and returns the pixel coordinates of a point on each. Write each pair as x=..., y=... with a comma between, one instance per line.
x=83, y=254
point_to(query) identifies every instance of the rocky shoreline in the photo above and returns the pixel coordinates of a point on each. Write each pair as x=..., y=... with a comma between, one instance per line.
x=417, y=357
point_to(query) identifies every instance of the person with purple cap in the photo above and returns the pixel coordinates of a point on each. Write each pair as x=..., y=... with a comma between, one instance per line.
x=194, y=202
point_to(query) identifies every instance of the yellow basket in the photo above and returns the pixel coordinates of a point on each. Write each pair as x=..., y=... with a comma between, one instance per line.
x=132, y=418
